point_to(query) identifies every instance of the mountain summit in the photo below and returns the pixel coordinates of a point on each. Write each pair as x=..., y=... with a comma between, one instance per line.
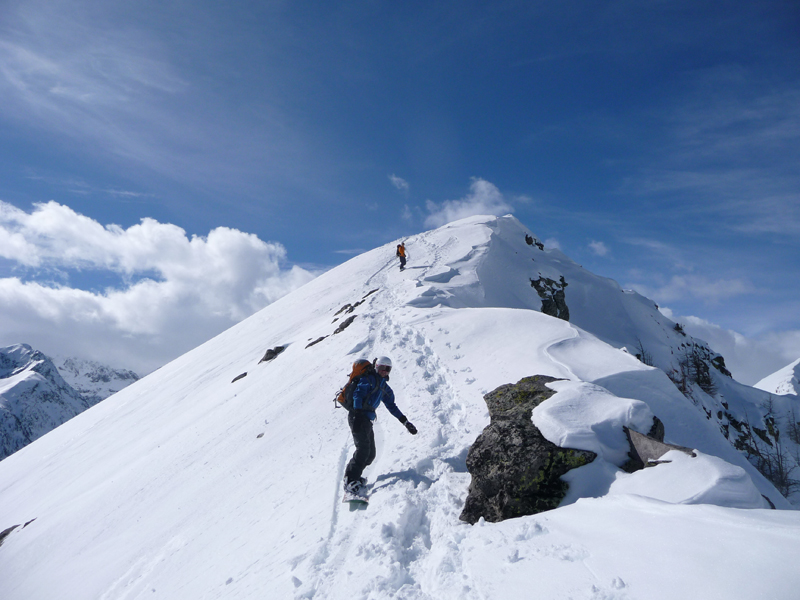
x=37, y=393
x=220, y=474
x=34, y=398
x=783, y=381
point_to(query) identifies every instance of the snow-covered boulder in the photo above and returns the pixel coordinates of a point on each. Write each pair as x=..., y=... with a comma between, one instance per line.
x=515, y=470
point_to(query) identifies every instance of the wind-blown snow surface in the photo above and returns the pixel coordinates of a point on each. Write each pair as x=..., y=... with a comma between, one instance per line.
x=168, y=489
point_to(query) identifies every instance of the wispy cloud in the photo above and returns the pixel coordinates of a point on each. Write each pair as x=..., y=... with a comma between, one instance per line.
x=730, y=153
x=599, y=248
x=88, y=77
x=483, y=199
x=699, y=287
x=171, y=288
x=400, y=183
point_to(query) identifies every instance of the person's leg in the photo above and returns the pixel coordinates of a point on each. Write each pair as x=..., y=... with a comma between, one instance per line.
x=364, y=439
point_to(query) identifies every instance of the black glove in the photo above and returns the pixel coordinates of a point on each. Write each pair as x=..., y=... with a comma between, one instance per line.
x=411, y=429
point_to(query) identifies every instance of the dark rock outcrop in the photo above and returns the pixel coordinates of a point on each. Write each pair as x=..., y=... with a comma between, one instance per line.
x=272, y=353
x=647, y=450
x=554, y=301
x=316, y=341
x=533, y=242
x=345, y=324
x=515, y=470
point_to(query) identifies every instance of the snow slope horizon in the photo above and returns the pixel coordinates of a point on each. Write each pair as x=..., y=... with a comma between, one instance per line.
x=176, y=487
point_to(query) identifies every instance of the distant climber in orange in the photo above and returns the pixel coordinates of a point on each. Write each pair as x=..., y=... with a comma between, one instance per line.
x=401, y=254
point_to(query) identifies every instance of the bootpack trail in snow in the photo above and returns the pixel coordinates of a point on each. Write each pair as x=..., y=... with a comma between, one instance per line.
x=410, y=487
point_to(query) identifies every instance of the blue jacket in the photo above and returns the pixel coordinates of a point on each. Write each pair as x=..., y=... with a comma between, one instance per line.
x=370, y=391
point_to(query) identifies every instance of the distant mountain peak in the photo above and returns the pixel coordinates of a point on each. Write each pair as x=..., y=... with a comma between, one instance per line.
x=36, y=396
x=92, y=379
x=783, y=381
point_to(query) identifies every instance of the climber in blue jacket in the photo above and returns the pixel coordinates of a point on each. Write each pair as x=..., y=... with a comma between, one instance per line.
x=371, y=389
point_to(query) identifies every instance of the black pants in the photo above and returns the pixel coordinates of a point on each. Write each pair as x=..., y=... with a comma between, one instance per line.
x=402, y=262
x=364, y=438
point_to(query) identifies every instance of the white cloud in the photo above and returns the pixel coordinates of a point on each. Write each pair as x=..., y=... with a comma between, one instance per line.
x=173, y=291
x=552, y=243
x=681, y=287
x=599, y=248
x=400, y=183
x=748, y=359
x=483, y=199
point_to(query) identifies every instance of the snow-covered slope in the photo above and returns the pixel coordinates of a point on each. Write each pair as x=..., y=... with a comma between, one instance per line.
x=34, y=398
x=188, y=484
x=95, y=381
x=782, y=381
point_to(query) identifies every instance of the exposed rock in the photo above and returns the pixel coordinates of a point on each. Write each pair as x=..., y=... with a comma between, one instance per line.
x=345, y=324
x=316, y=341
x=348, y=308
x=647, y=450
x=718, y=363
x=6, y=532
x=272, y=353
x=554, y=302
x=515, y=470
x=533, y=242
x=238, y=377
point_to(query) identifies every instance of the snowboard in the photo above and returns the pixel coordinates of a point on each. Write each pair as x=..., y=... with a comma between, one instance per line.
x=355, y=499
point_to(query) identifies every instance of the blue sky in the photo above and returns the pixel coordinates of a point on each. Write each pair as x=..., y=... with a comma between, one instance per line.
x=656, y=143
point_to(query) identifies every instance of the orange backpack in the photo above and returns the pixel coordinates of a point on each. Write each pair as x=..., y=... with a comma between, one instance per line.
x=344, y=397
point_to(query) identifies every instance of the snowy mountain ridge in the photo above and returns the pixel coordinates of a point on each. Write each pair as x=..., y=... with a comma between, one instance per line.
x=37, y=393
x=34, y=398
x=219, y=475
x=93, y=380
x=783, y=381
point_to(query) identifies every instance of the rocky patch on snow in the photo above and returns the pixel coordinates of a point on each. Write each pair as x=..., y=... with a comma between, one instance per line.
x=647, y=450
x=515, y=470
x=554, y=302
x=272, y=353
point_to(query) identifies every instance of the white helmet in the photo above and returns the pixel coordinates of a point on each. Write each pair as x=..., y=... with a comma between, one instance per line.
x=383, y=361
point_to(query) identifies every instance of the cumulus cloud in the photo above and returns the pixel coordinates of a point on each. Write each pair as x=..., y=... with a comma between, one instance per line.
x=599, y=248
x=400, y=183
x=748, y=359
x=170, y=293
x=483, y=199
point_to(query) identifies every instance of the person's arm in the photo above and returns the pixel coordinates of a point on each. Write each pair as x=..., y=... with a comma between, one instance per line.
x=388, y=400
